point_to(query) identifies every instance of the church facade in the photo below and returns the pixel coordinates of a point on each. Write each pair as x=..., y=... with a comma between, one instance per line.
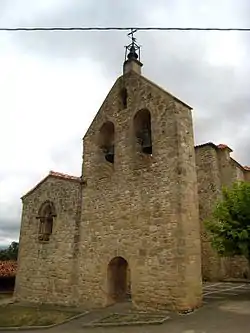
x=132, y=225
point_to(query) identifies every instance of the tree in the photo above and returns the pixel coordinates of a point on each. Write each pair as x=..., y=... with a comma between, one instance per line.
x=229, y=225
x=10, y=253
x=13, y=250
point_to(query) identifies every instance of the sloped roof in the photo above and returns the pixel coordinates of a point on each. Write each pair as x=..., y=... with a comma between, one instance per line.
x=55, y=174
x=219, y=146
x=63, y=175
x=224, y=146
x=211, y=144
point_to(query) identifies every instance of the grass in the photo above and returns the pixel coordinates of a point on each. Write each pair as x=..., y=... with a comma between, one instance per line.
x=12, y=315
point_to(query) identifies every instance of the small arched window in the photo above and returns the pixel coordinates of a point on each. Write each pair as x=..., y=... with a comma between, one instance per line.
x=46, y=215
x=106, y=141
x=142, y=131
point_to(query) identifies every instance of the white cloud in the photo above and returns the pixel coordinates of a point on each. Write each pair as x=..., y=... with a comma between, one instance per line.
x=26, y=10
x=44, y=106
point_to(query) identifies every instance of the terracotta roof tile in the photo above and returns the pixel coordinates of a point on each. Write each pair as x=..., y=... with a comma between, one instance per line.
x=52, y=174
x=247, y=168
x=8, y=268
x=222, y=146
x=63, y=175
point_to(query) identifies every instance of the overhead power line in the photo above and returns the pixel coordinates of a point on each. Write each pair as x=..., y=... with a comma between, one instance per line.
x=119, y=28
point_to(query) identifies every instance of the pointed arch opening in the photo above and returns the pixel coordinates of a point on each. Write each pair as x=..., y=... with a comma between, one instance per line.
x=119, y=288
x=106, y=141
x=46, y=216
x=142, y=131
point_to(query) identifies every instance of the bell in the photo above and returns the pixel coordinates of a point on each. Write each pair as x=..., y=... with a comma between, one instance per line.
x=109, y=154
x=132, y=53
x=146, y=142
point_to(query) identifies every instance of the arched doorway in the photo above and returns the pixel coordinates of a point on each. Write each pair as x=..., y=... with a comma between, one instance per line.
x=118, y=280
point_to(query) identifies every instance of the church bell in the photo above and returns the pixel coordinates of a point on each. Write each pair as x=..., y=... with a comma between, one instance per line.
x=109, y=154
x=146, y=142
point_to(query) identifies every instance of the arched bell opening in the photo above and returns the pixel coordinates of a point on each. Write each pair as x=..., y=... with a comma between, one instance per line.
x=106, y=141
x=142, y=131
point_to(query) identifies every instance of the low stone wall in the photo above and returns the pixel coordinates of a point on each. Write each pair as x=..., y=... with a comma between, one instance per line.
x=235, y=267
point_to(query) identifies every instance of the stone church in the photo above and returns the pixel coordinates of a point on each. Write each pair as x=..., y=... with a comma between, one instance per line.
x=131, y=226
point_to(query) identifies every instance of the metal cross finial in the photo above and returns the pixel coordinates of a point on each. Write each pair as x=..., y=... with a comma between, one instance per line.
x=131, y=35
x=132, y=48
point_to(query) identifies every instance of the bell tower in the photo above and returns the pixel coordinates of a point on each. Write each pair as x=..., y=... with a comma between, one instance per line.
x=140, y=202
x=132, y=55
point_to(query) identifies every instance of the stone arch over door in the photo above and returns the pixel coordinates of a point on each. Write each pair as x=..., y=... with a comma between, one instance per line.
x=118, y=280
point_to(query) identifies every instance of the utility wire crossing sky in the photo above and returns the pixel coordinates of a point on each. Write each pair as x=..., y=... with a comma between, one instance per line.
x=119, y=28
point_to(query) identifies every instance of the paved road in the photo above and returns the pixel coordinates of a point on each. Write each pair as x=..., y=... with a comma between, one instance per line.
x=221, y=291
x=226, y=310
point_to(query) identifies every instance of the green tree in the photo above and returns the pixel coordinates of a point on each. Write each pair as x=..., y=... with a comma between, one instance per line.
x=229, y=225
x=13, y=250
x=10, y=253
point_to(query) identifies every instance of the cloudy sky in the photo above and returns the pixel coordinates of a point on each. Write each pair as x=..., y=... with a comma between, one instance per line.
x=52, y=83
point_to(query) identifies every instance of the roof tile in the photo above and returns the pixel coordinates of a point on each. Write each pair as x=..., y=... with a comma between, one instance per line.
x=222, y=146
x=63, y=175
x=8, y=268
x=52, y=174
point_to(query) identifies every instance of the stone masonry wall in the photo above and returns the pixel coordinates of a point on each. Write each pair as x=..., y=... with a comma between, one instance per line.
x=209, y=189
x=247, y=175
x=45, y=269
x=143, y=208
x=215, y=168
